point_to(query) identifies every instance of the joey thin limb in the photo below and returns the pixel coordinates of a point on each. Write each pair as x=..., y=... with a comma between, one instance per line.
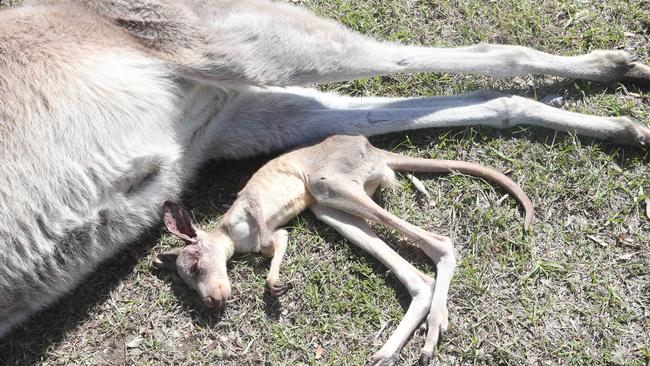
x=338, y=190
x=347, y=196
x=280, y=241
x=255, y=209
x=419, y=285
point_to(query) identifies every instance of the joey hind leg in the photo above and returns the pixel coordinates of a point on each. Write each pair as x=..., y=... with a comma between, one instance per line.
x=280, y=240
x=350, y=197
x=419, y=285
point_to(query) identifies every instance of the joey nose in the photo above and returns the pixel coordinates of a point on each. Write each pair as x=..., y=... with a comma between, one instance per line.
x=222, y=290
x=211, y=302
x=217, y=296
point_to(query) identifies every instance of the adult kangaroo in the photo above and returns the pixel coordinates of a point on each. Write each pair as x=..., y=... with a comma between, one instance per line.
x=109, y=107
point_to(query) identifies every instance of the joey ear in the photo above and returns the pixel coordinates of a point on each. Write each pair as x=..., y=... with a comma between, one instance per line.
x=167, y=259
x=178, y=222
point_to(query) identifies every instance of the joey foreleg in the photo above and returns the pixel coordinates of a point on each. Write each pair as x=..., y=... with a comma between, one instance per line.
x=279, y=246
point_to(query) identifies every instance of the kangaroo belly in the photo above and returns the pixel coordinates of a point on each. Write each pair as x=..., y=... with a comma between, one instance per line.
x=81, y=180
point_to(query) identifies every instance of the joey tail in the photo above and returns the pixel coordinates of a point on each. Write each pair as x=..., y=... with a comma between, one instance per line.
x=406, y=163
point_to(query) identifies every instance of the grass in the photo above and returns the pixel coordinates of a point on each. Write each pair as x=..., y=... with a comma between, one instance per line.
x=573, y=291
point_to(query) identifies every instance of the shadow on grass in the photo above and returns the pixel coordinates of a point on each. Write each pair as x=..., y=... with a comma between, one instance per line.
x=189, y=300
x=215, y=189
x=575, y=89
x=29, y=343
x=482, y=135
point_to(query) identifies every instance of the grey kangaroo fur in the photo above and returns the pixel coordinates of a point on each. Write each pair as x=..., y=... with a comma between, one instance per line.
x=109, y=107
x=337, y=189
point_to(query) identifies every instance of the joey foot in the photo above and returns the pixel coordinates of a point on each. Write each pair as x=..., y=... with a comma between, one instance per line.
x=382, y=359
x=425, y=357
x=437, y=324
x=277, y=287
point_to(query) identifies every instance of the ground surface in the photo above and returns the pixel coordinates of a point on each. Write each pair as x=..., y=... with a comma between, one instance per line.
x=575, y=290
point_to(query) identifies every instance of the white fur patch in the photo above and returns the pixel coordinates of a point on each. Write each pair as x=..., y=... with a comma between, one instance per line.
x=389, y=180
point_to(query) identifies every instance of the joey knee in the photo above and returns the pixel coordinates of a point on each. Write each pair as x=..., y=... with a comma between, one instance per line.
x=419, y=288
x=332, y=192
x=448, y=253
x=423, y=293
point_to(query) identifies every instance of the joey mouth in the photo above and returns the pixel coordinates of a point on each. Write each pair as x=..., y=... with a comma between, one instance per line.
x=218, y=295
x=213, y=303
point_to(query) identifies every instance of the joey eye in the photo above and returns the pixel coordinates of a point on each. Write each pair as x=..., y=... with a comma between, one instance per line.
x=194, y=269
